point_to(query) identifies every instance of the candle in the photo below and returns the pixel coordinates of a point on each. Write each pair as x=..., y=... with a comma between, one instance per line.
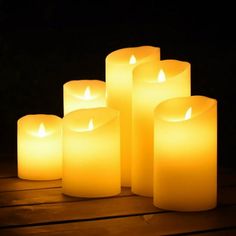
x=91, y=153
x=39, y=147
x=153, y=82
x=78, y=94
x=119, y=66
x=185, y=164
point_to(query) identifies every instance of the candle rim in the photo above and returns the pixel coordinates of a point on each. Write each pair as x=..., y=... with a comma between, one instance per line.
x=86, y=82
x=38, y=115
x=114, y=114
x=112, y=57
x=34, y=120
x=210, y=104
x=140, y=75
x=82, y=80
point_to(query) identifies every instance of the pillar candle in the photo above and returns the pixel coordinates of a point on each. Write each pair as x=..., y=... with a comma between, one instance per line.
x=185, y=163
x=153, y=82
x=119, y=67
x=39, y=147
x=79, y=94
x=91, y=143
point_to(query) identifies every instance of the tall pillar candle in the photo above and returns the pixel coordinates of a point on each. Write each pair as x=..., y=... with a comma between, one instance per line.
x=185, y=164
x=78, y=94
x=119, y=67
x=153, y=82
x=91, y=161
x=39, y=147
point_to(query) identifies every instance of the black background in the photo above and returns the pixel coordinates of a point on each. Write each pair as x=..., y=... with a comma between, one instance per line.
x=44, y=44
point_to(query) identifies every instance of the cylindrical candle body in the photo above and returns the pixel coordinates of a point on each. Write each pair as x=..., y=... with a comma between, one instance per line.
x=185, y=163
x=119, y=67
x=79, y=94
x=149, y=89
x=91, y=161
x=39, y=147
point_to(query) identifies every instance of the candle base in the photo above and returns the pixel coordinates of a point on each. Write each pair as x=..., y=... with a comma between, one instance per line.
x=186, y=208
x=38, y=178
x=90, y=195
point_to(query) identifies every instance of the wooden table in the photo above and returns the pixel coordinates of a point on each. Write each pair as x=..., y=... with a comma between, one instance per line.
x=40, y=208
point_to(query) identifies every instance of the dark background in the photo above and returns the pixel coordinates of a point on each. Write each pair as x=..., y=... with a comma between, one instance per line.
x=44, y=44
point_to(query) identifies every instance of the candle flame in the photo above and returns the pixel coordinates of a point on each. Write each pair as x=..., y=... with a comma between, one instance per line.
x=161, y=77
x=90, y=125
x=41, y=130
x=87, y=93
x=132, y=60
x=188, y=114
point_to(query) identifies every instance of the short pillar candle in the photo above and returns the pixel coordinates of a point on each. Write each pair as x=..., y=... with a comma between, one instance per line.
x=185, y=163
x=91, y=161
x=39, y=147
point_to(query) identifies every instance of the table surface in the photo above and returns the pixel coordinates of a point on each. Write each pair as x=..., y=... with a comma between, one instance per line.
x=40, y=208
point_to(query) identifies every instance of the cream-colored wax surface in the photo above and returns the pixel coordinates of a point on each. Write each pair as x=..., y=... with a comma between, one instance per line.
x=91, y=144
x=185, y=163
x=79, y=94
x=119, y=67
x=39, y=147
x=153, y=82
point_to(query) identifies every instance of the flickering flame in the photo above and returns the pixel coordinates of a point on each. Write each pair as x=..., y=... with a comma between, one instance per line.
x=90, y=125
x=188, y=114
x=161, y=77
x=87, y=93
x=41, y=130
x=132, y=60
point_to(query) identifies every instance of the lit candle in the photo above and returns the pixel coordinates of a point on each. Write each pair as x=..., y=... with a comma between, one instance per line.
x=153, y=82
x=91, y=161
x=79, y=94
x=39, y=147
x=185, y=163
x=119, y=67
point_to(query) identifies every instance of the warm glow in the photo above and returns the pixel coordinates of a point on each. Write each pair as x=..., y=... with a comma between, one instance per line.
x=90, y=125
x=87, y=93
x=188, y=114
x=161, y=77
x=91, y=148
x=39, y=147
x=41, y=131
x=185, y=154
x=132, y=60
